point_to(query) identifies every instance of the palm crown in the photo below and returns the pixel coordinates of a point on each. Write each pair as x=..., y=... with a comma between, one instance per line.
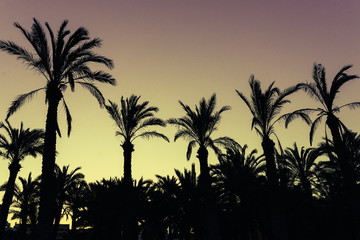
x=319, y=91
x=197, y=126
x=265, y=106
x=20, y=142
x=133, y=118
x=62, y=62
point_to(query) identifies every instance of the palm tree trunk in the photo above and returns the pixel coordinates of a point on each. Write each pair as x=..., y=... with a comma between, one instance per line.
x=57, y=218
x=47, y=189
x=209, y=219
x=269, y=152
x=8, y=196
x=276, y=207
x=129, y=229
x=128, y=148
x=348, y=174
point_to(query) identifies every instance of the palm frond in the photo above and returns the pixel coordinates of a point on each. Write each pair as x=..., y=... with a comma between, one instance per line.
x=151, y=134
x=94, y=91
x=68, y=117
x=314, y=126
x=191, y=145
x=20, y=100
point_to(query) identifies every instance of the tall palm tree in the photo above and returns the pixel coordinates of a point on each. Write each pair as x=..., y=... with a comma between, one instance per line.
x=197, y=127
x=15, y=145
x=62, y=62
x=320, y=92
x=132, y=121
x=26, y=202
x=64, y=181
x=303, y=166
x=265, y=107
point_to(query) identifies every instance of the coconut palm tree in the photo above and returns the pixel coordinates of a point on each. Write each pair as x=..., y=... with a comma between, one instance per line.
x=26, y=202
x=303, y=166
x=265, y=107
x=63, y=61
x=15, y=145
x=320, y=92
x=64, y=181
x=132, y=121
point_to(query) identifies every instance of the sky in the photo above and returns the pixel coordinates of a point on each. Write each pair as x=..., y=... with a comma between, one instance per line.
x=171, y=50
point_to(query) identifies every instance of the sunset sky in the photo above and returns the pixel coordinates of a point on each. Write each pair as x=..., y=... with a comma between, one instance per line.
x=170, y=50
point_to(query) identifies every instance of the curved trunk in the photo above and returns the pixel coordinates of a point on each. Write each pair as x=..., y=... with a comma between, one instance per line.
x=8, y=196
x=47, y=189
x=271, y=172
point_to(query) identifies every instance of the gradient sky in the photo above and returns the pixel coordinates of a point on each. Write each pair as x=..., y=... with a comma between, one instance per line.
x=170, y=50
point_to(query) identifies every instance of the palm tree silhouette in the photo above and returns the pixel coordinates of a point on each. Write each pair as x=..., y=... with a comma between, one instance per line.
x=26, y=201
x=319, y=91
x=62, y=62
x=75, y=203
x=238, y=179
x=18, y=144
x=64, y=180
x=303, y=166
x=132, y=120
x=265, y=106
x=197, y=127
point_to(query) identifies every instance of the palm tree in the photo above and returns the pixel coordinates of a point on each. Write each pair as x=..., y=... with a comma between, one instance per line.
x=64, y=181
x=26, y=202
x=238, y=179
x=319, y=91
x=64, y=61
x=303, y=167
x=265, y=106
x=197, y=127
x=75, y=204
x=18, y=144
x=132, y=120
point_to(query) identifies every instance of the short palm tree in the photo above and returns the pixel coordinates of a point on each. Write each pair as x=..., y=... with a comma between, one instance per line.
x=15, y=145
x=132, y=122
x=62, y=61
x=75, y=204
x=64, y=181
x=26, y=202
x=197, y=127
x=303, y=166
x=265, y=107
x=320, y=92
